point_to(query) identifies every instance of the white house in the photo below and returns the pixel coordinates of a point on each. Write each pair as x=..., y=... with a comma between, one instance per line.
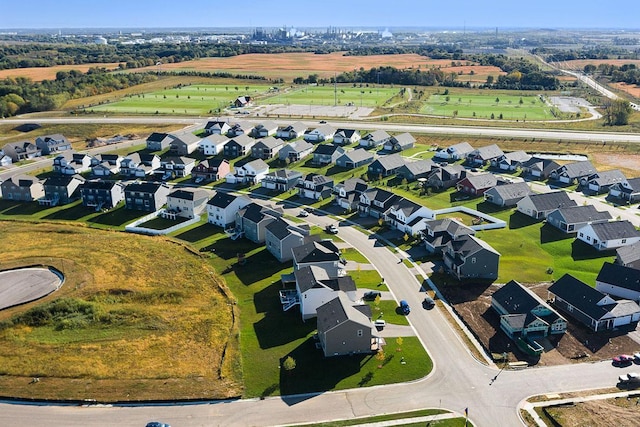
x=320, y=134
x=609, y=235
x=408, y=217
x=454, y=152
x=212, y=145
x=252, y=172
x=619, y=281
x=346, y=136
x=315, y=287
x=222, y=209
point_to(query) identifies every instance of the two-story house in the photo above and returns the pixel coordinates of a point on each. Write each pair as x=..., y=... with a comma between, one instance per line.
x=375, y=202
x=407, y=216
x=22, y=188
x=346, y=136
x=281, y=180
x=50, y=144
x=238, y=146
x=316, y=286
x=385, y=166
x=248, y=172
x=69, y=163
x=19, y=151
x=139, y=165
x=439, y=232
x=222, y=209
x=281, y=236
x=176, y=167
x=442, y=177
x=145, y=196
x=320, y=134
x=326, y=154
x=266, y=148
x=252, y=220
x=264, y=129
x=212, y=145
x=61, y=190
x=186, y=203
x=217, y=127
x=315, y=186
x=348, y=193
x=344, y=328
x=293, y=131
x=295, y=151
x=375, y=139
x=106, y=165
x=211, y=169
x=319, y=253
x=158, y=141
x=468, y=257
x=183, y=144
x=101, y=195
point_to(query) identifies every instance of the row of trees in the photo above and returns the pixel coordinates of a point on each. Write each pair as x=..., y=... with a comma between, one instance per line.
x=627, y=73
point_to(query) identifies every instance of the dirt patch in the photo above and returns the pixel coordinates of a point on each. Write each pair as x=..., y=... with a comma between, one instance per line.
x=580, y=63
x=629, y=162
x=49, y=73
x=472, y=302
x=621, y=412
x=633, y=90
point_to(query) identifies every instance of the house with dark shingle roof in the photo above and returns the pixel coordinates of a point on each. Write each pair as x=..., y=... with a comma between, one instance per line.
x=468, y=257
x=177, y=167
x=69, y=163
x=619, y=281
x=401, y=142
x=60, y=190
x=628, y=190
x=537, y=206
x=216, y=127
x=183, y=144
x=295, y=151
x=442, y=177
x=281, y=180
x=186, y=202
x=407, y=216
x=22, y=188
x=248, y=172
x=344, y=328
x=101, y=195
x=264, y=129
x=376, y=202
x=50, y=144
x=524, y=314
x=475, y=185
x=354, y=158
x=507, y=195
x=600, y=182
x=439, y=232
x=106, y=164
x=267, y=148
x=315, y=186
x=629, y=256
x=346, y=136
x=572, y=172
x=21, y=151
x=411, y=171
x=145, y=196
x=609, y=235
x=281, y=236
x=211, y=169
x=292, y=131
x=538, y=168
x=322, y=253
x=320, y=134
x=222, y=209
x=591, y=307
x=139, y=165
x=385, y=166
x=374, y=139
x=572, y=219
x=484, y=155
x=239, y=128
x=252, y=220
x=455, y=152
x=348, y=192
x=158, y=141
x=510, y=161
x=238, y=146
x=212, y=145
x=326, y=154
x=316, y=286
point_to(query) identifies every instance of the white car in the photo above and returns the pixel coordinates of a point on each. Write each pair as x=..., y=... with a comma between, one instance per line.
x=636, y=357
x=379, y=323
x=303, y=214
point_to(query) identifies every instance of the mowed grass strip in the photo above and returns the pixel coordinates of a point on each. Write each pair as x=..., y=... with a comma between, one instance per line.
x=482, y=106
x=328, y=95
x=133, y=310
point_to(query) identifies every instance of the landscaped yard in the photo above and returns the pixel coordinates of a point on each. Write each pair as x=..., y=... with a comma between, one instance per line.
x=326, y=95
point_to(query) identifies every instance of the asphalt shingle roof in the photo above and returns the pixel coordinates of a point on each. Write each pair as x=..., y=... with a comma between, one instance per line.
x=621, y=276
x=614, y=230
x=550, y=201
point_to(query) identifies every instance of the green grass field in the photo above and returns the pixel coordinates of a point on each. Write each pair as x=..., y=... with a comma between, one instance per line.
x=325, y=95
x=192, y=99
x=482, y=106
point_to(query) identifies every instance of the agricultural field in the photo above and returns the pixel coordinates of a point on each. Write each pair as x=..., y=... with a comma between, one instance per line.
x=198, y=99
x=49, y=73
x=482, y=106
x=325, y=95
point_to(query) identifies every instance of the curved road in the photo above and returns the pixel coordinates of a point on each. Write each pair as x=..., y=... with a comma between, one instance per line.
x=457, y=382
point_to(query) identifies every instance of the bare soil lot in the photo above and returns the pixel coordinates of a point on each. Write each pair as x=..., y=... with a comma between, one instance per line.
x=621, y=412
x=472, y=302
x=49, y=73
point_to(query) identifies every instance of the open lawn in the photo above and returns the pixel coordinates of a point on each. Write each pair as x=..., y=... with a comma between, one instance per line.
x=482, y=106
x=326, y=95
x=128, y=330
x=189, y=99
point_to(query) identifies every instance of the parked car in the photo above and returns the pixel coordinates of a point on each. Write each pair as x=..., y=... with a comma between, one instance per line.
x=199, y=179
x=371, y=295
x=636, y=356
x=331, y=229
x=428, y=302
x=623, y=359
x=404, y=307
x=379, y=323
x=303, y=214
x=157, y=424
x=631, y=377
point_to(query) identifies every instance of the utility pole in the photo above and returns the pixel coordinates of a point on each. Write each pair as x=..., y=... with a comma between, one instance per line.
x=335, y=89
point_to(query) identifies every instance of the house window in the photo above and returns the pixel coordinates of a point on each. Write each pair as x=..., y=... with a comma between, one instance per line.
x=624, y=241
x=473, y=260
x=359, y=332
x=581, y=234
x=588, y=238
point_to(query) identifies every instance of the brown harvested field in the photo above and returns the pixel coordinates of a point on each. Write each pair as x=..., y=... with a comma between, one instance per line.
x=580, y=63
x=633, y=90
x=291, y=65
x=49, y=73
x=621, y=412
x=627, y=163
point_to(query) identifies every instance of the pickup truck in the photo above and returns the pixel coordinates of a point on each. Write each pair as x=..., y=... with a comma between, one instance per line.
x=630, y=378
x=331, y=229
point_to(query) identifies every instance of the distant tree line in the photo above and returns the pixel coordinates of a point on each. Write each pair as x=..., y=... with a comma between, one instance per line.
x=390, y=75
x=597, y=52
x=627, y=73
x=22, y=95
x=216, y=74
x=522, y=74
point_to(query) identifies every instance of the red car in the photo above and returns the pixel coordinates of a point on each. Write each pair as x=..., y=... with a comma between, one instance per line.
x=623, y=359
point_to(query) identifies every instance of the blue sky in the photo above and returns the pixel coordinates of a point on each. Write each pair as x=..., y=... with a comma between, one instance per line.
x=319, y=13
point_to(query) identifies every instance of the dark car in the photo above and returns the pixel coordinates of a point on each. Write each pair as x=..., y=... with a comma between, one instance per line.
x=428, y=302
x=404, y=307
x=157, y=424
x=371, y=295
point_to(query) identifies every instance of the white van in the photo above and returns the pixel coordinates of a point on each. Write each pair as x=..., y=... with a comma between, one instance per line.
x=379, y=323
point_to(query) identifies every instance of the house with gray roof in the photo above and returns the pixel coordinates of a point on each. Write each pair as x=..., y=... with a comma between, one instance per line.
x=609, y=235
x=525, y=315
x=442, y=177
x=507, y=195
x=439, y=232
x=407, y=216
x=326, y=154
x=355, y=158
x=211, y=169
x=346, y=136
x=22, y=188
x=252, y=220
x=619, y=281
x=61, y=190
x=571, y=173
x=264, y=129
x=295, y=151
x=510, y=161
x=69, y=163
x=145, y=196
x=600, y=182
x=186, y=203
x=455, y=152
x=248, y=172
x=292, y=131
x=411, y=171
x=238, y=146
x=348, y=193
x=627, y=190
x=572, y=219
x=401, y=142
x=629, y=256
x=158, y=141
x=106, y=164
x=281, y=180
x=375, y=139
x=176, y=166
x=239, y=128
x=596, y=310
x=319, y=253
x=139, y=165
x=5, y=160
x=539, y=168
x=101, y=195
x=183, y=144
x=537, y=206
x=222, y=208
x=19, y=151
x=282, y=235
x=212, y=145
x=385, y=166
x=267, y=148
x=375, y=202
x=476, y=184
x=468, y=257
x=484, y=155
x=316, y=286
x=216, y=127
x=50, y=144
x=344, y=328
x=315, y=186
x=320, y=134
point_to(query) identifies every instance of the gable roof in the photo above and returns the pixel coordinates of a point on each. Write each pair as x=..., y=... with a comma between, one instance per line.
x=22, y=180
x=419, y=167
x=178, y=160
x=404, y=139
x=256, y=164
x=406, y=206
x=358, y=155
x=461, y=147
x=255, y=212
x=338, y=311
x=619, y=275
x=317, y=179
x=482, y=180
x=190, y=194
x=629, y=254
x=313, y=276
x=223, y=200
x=345, y=133
x=543, y=165
x=285, y=173
x=325, y=129
x=186, y=138
x=578, y=169
x=62, y=180
x=352, y=184
x=279, y=228
x=448, y=225
x=242, y=140
x=607, y=177
x=316, y=251
x=550, y=201
x=379, y=194
x=580, y=295
x=487, y=152
x=326, y=149
x=269, y=142
x=300, y=145
x=213, y=163
x=144, y=187
x=157, y=137
x=606, y=231
x=468, y=244
x=511, y=191
x=268, y=125
x=392, y=161
x=99, y=184
x=585, y=213
x=377, y=135
x=516, y=299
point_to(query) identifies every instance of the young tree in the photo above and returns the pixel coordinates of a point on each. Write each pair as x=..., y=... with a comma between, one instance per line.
x=289, y=364
x=617, y=112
